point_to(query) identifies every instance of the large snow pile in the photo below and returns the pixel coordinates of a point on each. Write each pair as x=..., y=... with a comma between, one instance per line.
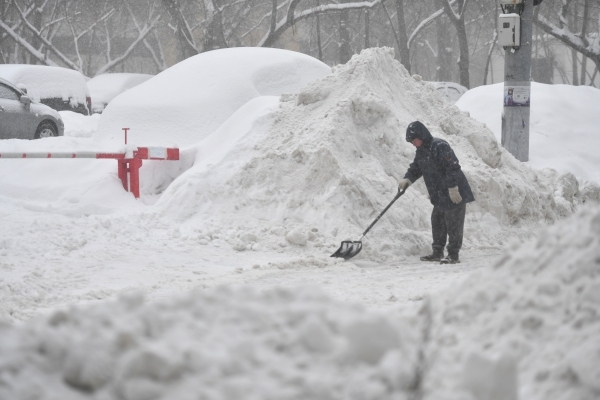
x=43, y=82
x=564, y=125
x=190, y=100
x=528, y=326
x=330, y=162
x=227, y=344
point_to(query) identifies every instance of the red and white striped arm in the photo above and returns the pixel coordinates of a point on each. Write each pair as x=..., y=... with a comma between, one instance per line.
x=142, y=153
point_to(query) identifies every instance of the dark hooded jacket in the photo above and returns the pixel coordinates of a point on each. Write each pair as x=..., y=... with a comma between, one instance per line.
x=437, y=164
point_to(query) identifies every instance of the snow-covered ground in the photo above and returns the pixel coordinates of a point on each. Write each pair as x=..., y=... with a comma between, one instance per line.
x=218, y=283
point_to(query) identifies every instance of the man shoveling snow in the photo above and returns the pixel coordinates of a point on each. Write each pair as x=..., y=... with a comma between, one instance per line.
x=448, y=188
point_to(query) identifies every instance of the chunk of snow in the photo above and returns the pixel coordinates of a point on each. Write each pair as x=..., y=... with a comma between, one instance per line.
x=533, y=306
x=279, y=344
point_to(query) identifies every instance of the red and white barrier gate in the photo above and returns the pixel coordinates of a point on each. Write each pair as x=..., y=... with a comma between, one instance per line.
x=126, y=165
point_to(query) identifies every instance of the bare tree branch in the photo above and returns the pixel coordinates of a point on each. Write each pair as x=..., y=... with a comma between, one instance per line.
x=580, y=43
x=47, y=43
x=23, y=43
x=458, y=19
x=186, y=39
x=389, y=17
x=145, y=31
x=18, y=24
x=425, y=23
x=159, y=61
x=264, y=17
x=292, y=17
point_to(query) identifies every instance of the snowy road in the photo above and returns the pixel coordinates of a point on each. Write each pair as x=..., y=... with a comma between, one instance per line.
x=371, y=284
x=49, y=261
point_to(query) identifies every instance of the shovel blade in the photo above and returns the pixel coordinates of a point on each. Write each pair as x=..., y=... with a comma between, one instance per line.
x=348, y=249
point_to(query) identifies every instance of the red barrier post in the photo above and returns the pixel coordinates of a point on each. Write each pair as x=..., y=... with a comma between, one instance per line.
x=134, y=176
x=128, y=168
x=122, y=172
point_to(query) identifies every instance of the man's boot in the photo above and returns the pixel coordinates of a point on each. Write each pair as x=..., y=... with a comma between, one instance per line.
x=437, y=255
x=450, y=259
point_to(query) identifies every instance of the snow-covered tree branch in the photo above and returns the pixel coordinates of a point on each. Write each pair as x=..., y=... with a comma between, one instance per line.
x=586, y=43
x=69, y=32
x=292, y=17
x=457, y=17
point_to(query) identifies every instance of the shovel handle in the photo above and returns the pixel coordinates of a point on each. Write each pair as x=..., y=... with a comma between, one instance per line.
x=400, y=193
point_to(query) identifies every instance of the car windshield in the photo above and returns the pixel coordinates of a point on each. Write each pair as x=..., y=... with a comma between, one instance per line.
x=8, y=93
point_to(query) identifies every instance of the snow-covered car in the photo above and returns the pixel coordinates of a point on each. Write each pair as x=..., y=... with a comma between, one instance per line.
x=23, y=118
x=105, y=87
x=192, y=99
x=451, y=91
x=62, y=89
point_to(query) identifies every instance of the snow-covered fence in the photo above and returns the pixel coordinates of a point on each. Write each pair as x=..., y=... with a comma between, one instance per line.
x=129, y=162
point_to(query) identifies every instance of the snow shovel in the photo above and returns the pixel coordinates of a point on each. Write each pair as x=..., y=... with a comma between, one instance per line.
x=350, y=248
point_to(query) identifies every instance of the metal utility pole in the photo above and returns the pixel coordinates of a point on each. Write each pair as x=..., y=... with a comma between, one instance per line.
x=517, y=18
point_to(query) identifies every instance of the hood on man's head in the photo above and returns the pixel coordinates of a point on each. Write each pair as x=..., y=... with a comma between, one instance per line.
x=416, y=130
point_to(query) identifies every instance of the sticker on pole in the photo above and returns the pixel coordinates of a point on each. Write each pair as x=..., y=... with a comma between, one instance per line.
x=517, y=95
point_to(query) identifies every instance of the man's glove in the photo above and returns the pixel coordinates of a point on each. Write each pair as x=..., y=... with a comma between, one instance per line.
x=404, y=184
x=454, y=195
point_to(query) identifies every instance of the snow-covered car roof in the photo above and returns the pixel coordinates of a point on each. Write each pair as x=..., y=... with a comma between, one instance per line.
x=43, y=82
x=105, y=87
x=187, y=102
x=451, y=91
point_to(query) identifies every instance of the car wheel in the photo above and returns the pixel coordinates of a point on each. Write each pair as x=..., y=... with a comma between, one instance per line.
x=45, y=129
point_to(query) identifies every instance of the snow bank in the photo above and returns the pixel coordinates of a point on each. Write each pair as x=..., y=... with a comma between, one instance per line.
x=66, y=186
x=564, y=125
x=328, y=161
x=227, y=344
x=79, y=125
x=190, y=100
x=43, y=82
x=528, y=326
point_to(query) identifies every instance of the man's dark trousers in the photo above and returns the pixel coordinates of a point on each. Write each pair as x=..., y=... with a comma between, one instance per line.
x=448, y=223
